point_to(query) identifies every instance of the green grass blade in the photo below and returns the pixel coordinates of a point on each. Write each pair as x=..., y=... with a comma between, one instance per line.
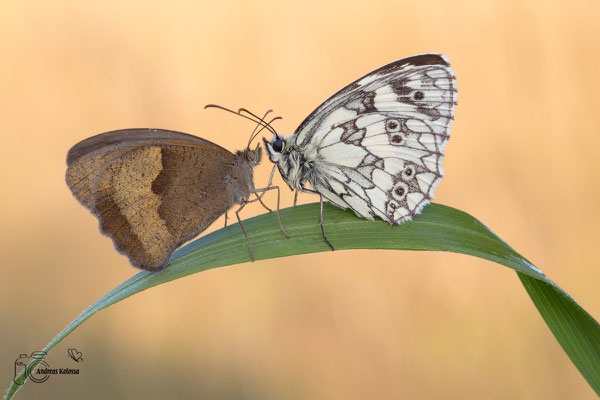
x=576, y=331
x=438, y=228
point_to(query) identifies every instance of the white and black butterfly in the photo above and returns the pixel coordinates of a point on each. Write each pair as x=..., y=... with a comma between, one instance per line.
x=377, y=145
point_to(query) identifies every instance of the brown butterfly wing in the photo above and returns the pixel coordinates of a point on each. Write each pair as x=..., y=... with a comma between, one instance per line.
x=152, y=190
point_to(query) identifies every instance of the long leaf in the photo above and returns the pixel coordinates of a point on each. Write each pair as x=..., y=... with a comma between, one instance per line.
x=438, y=228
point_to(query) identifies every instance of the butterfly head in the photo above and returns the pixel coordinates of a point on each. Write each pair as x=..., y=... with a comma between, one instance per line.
x=252, y=156
x=276, y=147
x=291, y=163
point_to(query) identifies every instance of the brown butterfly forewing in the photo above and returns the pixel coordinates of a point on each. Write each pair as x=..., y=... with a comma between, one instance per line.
x=153, y=189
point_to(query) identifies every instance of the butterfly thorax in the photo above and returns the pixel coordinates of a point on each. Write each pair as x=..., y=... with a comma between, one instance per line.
x=242, y=177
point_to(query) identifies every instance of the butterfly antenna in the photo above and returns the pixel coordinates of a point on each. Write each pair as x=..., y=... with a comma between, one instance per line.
x=256, y=121
x=261, y=129
x=267, y=125
x=254, y=133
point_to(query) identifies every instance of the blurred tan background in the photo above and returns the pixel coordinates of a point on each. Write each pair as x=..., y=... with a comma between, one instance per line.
x=523, y=159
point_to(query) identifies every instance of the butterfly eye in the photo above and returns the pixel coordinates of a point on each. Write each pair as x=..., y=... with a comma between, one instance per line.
x=278, y=145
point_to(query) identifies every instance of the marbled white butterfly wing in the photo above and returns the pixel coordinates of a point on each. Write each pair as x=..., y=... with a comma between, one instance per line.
x=378, y=144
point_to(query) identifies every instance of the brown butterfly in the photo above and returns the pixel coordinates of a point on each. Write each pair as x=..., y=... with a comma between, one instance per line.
x=153, y=190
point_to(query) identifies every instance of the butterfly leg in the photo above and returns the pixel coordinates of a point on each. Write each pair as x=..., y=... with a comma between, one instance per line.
x=264, y=190
x=295, y=198
x=225, y=218
x=261, y=202
x=237, y=214
x=277, y=210
x=321, y=222
x=320, y=215
x=279, y=215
